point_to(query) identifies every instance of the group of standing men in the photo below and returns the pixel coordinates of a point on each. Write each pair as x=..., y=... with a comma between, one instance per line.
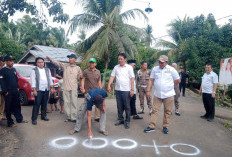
x=165, y=79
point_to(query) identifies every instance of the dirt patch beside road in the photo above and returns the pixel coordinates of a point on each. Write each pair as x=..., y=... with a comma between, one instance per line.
x=8, y=141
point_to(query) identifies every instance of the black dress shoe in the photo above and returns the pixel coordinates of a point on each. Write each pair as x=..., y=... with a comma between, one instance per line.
x=34, y=122
x=97, y=119
x=45, y=119
x=137, y=117
x=209, y=119
x=119, y=123
x=203, y=117
x=127, y=125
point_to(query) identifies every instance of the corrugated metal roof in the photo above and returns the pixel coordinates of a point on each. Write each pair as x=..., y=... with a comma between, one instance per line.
x=58, y=54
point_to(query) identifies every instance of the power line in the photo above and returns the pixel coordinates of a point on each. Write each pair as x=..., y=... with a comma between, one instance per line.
x=223, y=17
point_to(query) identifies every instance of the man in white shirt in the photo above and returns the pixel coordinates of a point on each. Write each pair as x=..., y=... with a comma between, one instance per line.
x=208, y=90
x=124, y=88
x=164, y=77
x=41, y=82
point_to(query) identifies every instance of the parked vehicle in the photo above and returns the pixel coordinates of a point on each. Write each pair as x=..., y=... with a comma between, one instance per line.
x=24, y=82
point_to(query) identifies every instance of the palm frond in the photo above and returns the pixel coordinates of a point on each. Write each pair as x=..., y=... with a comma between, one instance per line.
x=99, y=47
x=92, y=6
x=85, y=21
x=131, y=15
x=87, y=43
x=129, y=46
x=140, y=33
x=166, y=44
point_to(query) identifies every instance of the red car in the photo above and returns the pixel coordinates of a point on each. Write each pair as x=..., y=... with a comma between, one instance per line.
x=24, y=82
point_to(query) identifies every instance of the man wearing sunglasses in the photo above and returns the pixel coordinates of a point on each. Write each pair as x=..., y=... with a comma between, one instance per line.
x=164, y=77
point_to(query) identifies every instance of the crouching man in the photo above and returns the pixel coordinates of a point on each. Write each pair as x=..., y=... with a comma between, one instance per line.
x=93, y=97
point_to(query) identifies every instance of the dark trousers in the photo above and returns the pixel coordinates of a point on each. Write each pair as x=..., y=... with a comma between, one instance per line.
x=40, y=99
x=123, y=103
x=133, y=105
x=12, y=106
x=209, y=104
x=182, y=85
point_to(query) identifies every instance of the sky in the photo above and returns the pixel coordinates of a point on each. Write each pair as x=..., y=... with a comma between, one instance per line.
x=164, y=11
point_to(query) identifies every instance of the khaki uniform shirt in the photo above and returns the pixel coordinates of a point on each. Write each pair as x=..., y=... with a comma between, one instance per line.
x=72, y=74
x=91, y=79
x=143, y=77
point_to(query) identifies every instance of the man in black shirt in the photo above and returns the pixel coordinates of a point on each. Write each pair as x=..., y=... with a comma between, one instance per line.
x=10, y=89
x=184, y=80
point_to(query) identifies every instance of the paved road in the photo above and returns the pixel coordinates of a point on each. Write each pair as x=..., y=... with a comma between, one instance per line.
x=189, y=135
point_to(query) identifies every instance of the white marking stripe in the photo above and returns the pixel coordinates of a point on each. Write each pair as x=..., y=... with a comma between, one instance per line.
x=183, y=144
x=88, y=143
x=63, y=146
x=134, y=144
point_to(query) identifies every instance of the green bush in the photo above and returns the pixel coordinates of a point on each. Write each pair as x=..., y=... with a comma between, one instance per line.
x=229, y=92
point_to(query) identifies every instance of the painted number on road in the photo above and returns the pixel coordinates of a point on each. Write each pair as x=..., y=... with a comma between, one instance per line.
x=130, y=144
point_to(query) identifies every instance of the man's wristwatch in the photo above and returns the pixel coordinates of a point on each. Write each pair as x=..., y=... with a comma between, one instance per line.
x=132, y=89
x=214, y=92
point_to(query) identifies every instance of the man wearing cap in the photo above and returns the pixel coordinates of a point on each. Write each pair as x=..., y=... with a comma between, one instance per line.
x=2, y=101
x=71, y=75
x=41, y=83
x=133, y=98
x=143, y=76
x=124, y=87
x=93, y=97
x=91, y=80
x=10, y=88
x=164, y=77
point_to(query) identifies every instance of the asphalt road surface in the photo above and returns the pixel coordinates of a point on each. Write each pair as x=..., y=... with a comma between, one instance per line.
x=189, y=135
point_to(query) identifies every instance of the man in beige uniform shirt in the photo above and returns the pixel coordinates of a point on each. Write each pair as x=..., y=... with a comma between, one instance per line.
x=91, y=80
x=72, y=74
x=143, y=76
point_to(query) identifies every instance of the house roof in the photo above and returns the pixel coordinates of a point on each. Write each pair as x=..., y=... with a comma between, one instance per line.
x=57, y=54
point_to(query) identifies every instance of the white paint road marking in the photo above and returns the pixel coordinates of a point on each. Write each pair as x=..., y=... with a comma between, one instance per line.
x=134, y=144
x=183, y=144
x=63, y=146
x=89, y=144
x=155, y=146
x=197, y=151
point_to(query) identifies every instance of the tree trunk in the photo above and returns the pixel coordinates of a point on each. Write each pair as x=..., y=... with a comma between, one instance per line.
x=107, y=58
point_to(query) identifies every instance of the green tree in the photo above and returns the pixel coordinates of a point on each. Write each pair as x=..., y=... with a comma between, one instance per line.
x=113, y=30
x=10, y=47
x=54, y=8
x=106, y=14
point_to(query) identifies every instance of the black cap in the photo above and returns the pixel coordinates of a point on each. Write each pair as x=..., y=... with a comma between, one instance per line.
x=1, y=59
x=9, y=58
x=131, y=61
x=98, y=101
x=72, y=56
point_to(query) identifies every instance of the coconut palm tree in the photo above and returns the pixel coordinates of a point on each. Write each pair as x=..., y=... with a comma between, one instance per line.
x=106, y=15
x=179, y=32
x=149, y=37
